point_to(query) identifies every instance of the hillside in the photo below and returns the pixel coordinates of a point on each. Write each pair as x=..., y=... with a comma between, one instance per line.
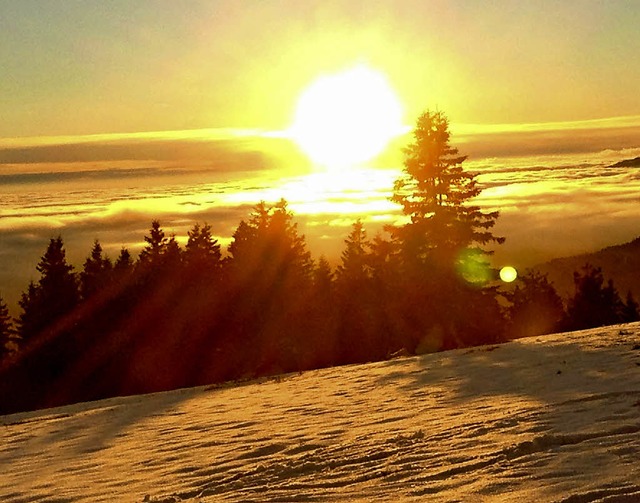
x=627, y=163
x=620, y=263
x=554, y=418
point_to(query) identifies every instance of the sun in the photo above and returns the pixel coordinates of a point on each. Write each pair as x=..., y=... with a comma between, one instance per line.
x=345, y=119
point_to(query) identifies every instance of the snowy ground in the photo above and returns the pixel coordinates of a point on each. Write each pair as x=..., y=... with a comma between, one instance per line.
x=553, y=418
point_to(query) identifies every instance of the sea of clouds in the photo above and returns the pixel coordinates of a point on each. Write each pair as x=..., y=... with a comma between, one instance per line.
x=555, y=199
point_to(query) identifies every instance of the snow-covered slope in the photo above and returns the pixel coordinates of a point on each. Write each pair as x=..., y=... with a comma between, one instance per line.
x=554, y=418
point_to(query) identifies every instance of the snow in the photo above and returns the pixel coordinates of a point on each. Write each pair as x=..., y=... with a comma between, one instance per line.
x=553, y=418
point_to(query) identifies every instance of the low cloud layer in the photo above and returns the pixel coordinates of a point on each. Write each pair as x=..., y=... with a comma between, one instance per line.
x=547, y=141
x=551, y=204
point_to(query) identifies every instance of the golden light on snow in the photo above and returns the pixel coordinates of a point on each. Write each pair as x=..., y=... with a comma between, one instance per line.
x=347, y=118
x=508, y=274
x=279, y=438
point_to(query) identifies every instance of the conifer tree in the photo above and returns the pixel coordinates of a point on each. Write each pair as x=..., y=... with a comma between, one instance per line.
x=354, y=268
x=202, y=250
x=536, y=308
x=30, y=321
x=156, y=245
x=442, y=247
x=8, y=334
x=125, y=293
x=57, y=276
x=96, y=272
x=124, y=263
x=172, y=255
x=269, y=242
x=361, y=309
x=271, y=273
x=320, y=319
x=323, y=277
x=55, y=295
x=285, y=243
x=630, y=310
x=434, y=192
x=594, y=303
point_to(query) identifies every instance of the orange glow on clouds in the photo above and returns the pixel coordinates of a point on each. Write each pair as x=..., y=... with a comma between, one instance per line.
x=356, y=193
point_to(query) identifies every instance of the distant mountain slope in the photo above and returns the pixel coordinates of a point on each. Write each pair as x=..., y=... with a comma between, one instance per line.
x=627, y=163
x=621, y=263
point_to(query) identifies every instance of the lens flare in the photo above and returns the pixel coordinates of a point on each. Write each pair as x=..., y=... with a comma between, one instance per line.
x=473, y=268
x=508, y=274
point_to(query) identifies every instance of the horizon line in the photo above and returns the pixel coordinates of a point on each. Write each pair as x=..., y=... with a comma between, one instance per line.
x=227, y=133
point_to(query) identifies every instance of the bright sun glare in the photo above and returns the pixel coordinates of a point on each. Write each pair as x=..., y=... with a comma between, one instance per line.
x=348, y=118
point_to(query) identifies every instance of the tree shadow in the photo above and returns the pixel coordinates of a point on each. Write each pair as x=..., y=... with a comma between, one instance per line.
x=547, y=369
x=89, y=427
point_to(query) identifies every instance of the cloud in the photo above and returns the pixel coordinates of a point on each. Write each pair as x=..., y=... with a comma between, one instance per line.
x=564, y=211
x=88, y=175
x=82, y=208
x=550, y=205
x=601, y=124
x=547, y=139
x=221, y=150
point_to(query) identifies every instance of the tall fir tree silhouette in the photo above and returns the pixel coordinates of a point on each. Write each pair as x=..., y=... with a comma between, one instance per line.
x=354, y=267
x=124, y=262
x=442, y=247
x=96, y=272
x=435, y=193
x=55, y=295
x=152, y=254
x=202, y=250
x=271, y=270
x=269, y=244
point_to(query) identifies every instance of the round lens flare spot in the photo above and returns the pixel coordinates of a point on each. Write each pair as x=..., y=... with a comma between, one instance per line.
x=347, y=118
x=473, y=269
x=508, y=274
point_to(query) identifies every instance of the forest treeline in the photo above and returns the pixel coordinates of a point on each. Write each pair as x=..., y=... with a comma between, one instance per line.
x=183, y=316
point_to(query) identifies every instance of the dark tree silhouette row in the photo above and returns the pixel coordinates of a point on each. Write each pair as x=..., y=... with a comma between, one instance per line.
x=177, y=317
x=535, y=308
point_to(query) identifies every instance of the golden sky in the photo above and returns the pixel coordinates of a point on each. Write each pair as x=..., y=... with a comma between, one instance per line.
x=115, y=113
x=77, y=68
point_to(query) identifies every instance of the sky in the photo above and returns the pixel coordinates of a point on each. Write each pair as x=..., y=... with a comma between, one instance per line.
x=115, y=113
x=87, y=67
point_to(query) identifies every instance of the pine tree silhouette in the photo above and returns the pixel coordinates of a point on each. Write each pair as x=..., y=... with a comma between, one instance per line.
x=594, y=303
x=443, y=245
x=8, y=334
x=55, y=295
x=96, y=272
x=536, y=308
